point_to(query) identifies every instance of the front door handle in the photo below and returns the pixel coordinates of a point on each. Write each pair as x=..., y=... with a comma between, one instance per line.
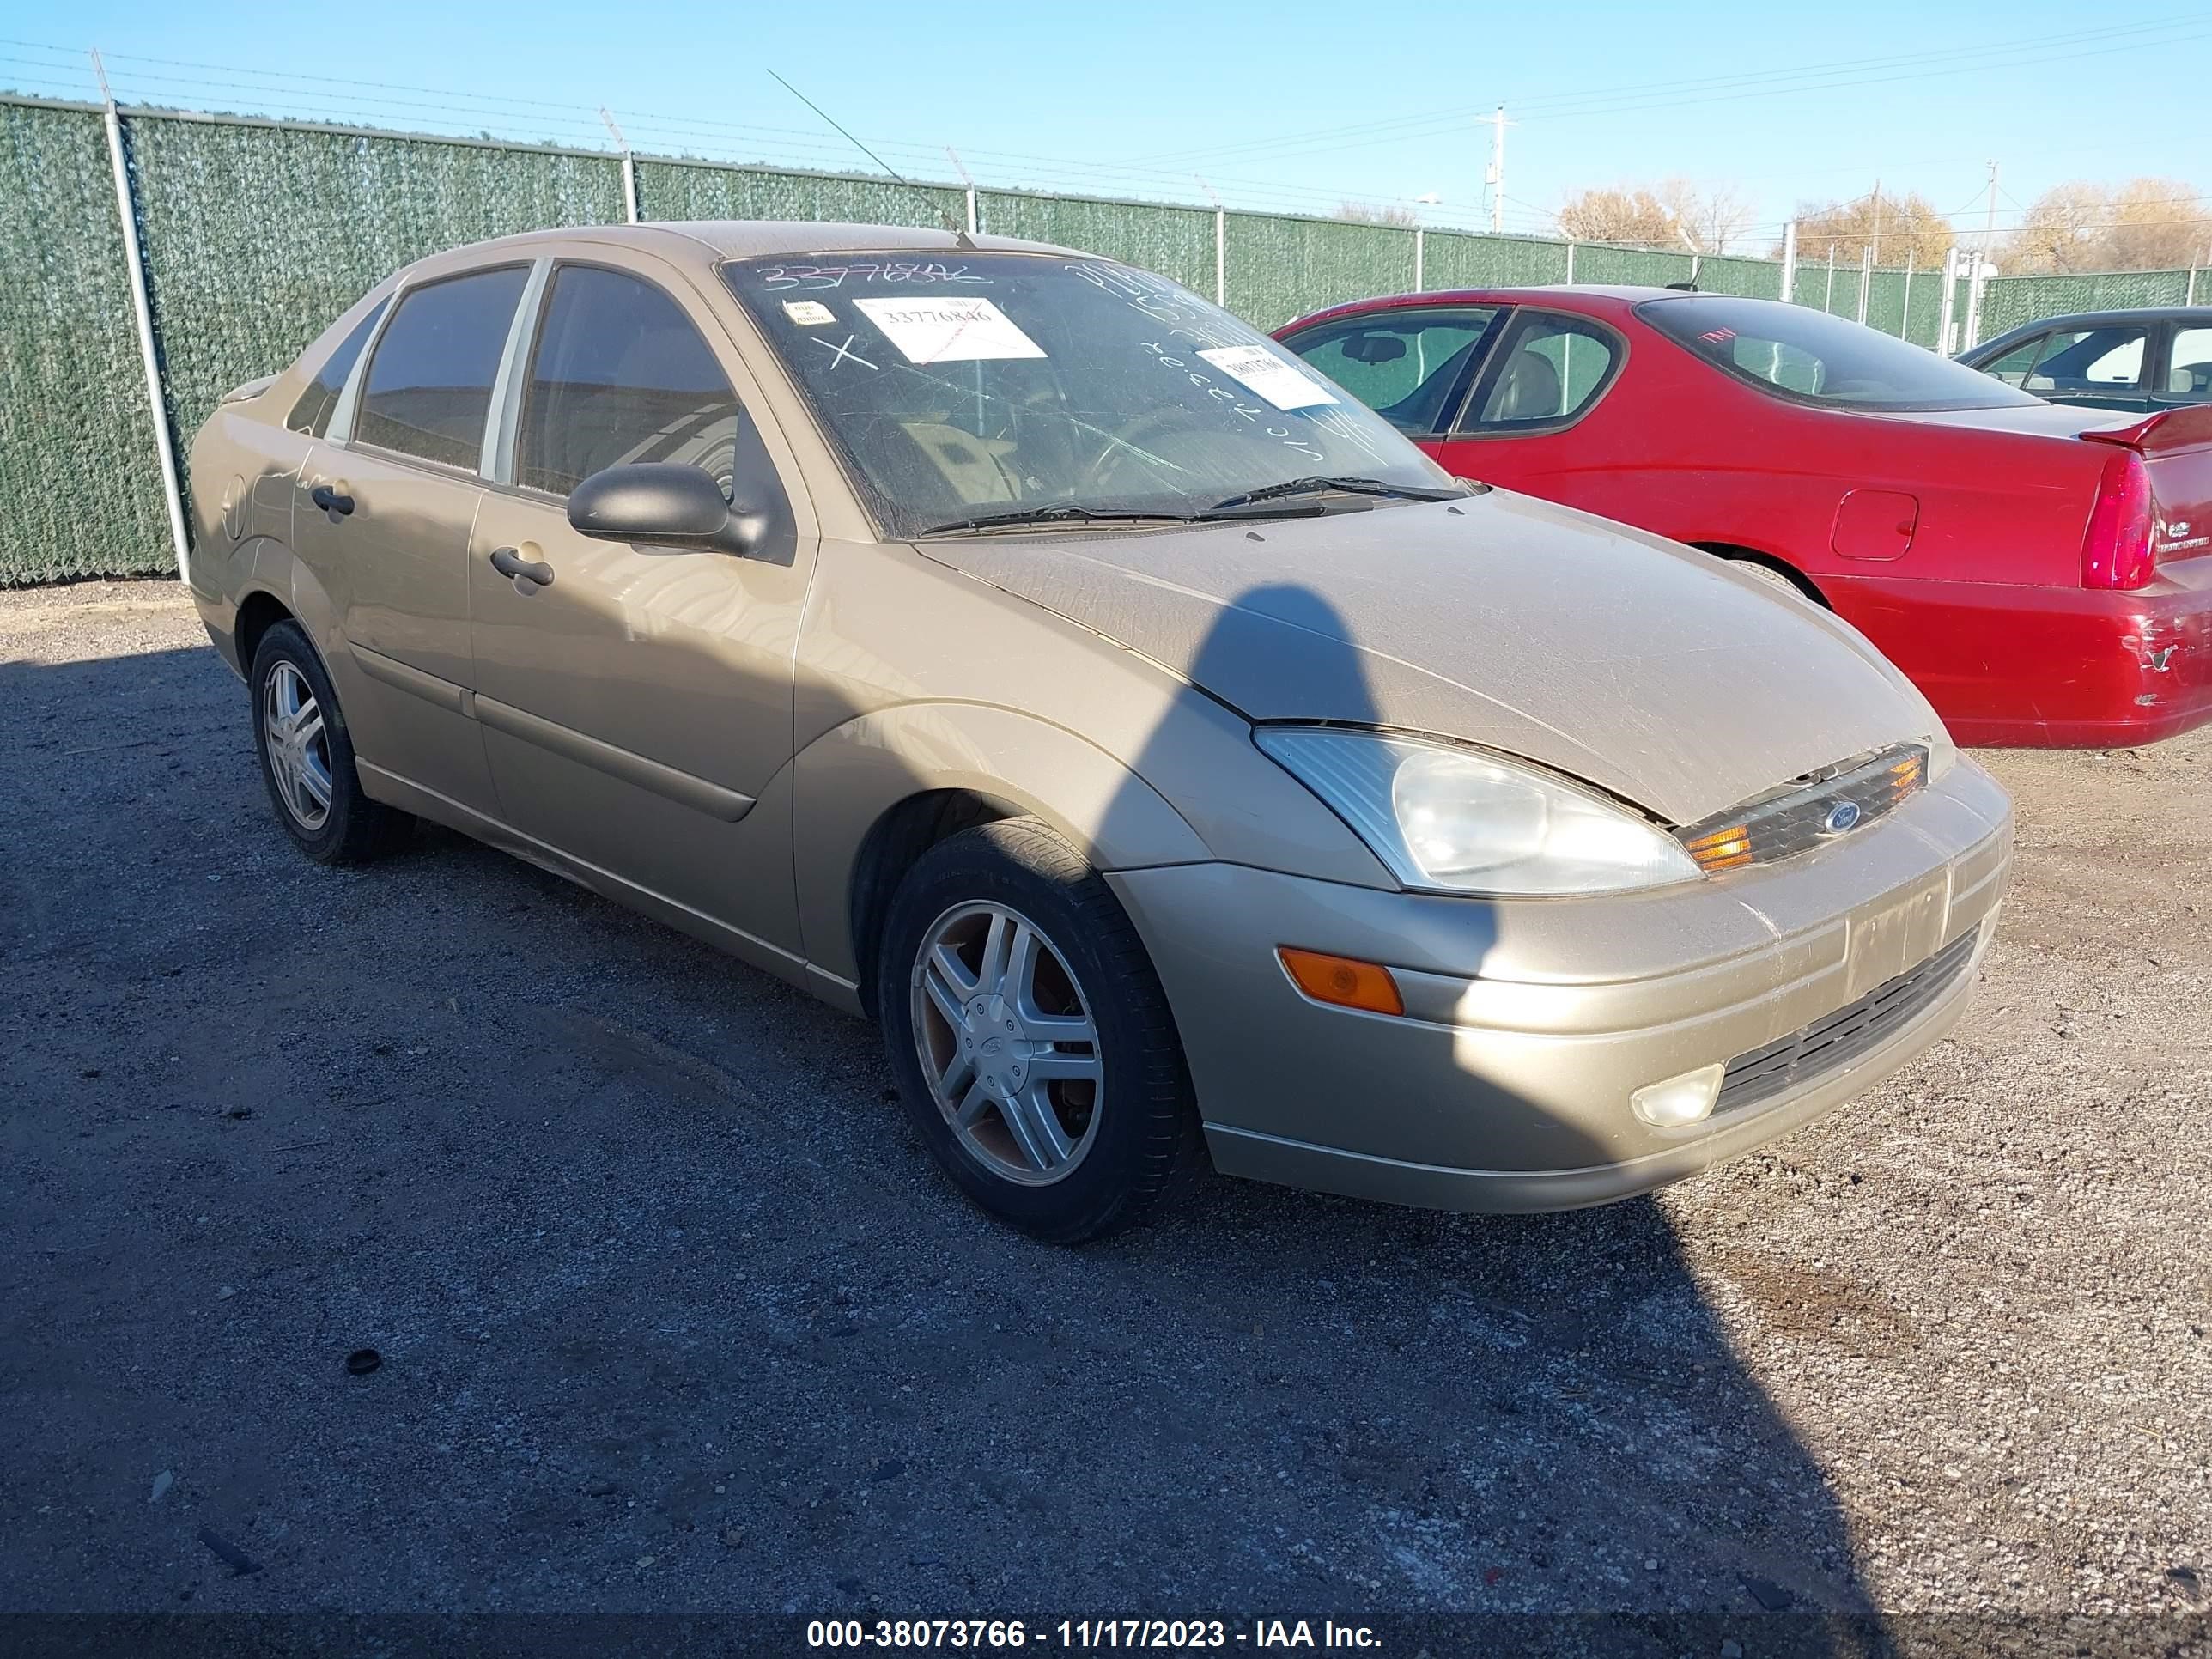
x=508, y=562
x=329, y=501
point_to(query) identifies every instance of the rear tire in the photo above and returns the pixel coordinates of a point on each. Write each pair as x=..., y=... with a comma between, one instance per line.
x=1775, y=577
x=306, y=756
x=1033, y=1046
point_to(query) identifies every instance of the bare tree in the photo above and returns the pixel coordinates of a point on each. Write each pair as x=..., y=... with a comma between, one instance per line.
x=1367, y=213
x=2063, y=231
x=1674, y=214
x=2145, y=224
x=1894, y=226
x=1630, y=217
x=2157, y=224
x=1713, y=214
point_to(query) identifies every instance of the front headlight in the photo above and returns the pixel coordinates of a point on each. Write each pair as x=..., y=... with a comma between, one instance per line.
x=1456, y=821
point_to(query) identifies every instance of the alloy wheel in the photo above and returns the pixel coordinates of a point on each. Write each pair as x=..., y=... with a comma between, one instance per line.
x=1007, y=1042
x=299, y=747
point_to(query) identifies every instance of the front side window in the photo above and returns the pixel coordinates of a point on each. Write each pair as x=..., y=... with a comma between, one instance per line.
x=1404, y=365
x=2089, y=360
x=1551, y=370
x=312, y=414
x=428, y=389
x=2011, y=368
x=620, y=376
x=965, y=387
x=1794, y=352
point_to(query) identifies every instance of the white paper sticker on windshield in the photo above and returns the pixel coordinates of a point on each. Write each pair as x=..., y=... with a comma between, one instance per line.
x=808, y=313
x=949, y=330
x=1269, y=375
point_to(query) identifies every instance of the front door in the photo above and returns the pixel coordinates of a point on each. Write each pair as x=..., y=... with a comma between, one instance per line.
x=636, y=703
x=382, y=520
x=2105, y=366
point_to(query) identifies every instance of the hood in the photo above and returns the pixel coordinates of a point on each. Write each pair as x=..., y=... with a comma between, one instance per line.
x=1618, y=657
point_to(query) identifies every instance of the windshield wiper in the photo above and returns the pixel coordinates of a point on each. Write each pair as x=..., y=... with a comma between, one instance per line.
x=1055, y=512
x=1322, y=486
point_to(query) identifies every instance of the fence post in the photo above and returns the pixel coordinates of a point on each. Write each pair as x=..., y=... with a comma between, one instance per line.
x=1974, y=303
x=1828, y=298
x=1866, y=281
x=629, y=166
x=1946, y=306
x=1905, y=315
x=1789, y=262
x=1420, y=237
x=2192, y=300
x=142, y=309
x=1570, y=263
x=1694, y=257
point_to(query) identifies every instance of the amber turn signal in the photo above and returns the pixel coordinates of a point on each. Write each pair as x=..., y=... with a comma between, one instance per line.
x=1722, y=849
x=1344, y=981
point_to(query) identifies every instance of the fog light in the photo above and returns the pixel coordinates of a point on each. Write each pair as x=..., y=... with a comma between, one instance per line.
x=1680, y=1100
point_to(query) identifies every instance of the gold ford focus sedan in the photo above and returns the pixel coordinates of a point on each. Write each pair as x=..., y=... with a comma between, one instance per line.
x=1014, y=648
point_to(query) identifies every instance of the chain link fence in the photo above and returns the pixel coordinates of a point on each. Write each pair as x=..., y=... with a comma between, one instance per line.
x=254, y=233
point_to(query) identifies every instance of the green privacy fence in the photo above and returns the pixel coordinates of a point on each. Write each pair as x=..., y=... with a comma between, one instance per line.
x=79, y=492
x=2008, y=303
x=254, y=233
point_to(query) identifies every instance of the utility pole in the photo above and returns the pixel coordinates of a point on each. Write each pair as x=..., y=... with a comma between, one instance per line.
x=1496, y=177
x=1990, y=220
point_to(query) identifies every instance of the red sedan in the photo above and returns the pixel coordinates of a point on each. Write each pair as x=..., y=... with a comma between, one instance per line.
x=2036, y=570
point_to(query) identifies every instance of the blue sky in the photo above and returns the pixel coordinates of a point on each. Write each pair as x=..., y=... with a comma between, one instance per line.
x=1295, y=106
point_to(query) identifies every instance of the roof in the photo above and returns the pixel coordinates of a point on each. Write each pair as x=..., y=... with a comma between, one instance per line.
x=2103, y=318
x=754, y=239
x=1612, y=298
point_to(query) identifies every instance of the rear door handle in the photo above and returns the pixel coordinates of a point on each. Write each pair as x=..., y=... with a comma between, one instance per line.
x=329, y=501
x=508, y=562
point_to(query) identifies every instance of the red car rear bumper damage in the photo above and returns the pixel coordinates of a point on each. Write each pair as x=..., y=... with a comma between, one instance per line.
x=2048, y=666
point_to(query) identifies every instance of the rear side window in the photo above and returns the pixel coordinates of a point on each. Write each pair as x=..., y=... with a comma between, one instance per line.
x=1551, y=370
x=620, y=376
x=1404, y=365
x=2190, y=376
x=429, y=391
x=312, y=414
x=1806, y=355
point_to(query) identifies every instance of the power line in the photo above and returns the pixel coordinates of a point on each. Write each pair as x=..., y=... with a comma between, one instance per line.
x=1553, y=102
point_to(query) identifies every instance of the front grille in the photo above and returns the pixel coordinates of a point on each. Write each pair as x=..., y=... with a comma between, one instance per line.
x=1808, y=812
x=1834, y=1040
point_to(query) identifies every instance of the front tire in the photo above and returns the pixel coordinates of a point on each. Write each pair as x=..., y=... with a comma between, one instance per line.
x=1033, y=1046
x=306, y=756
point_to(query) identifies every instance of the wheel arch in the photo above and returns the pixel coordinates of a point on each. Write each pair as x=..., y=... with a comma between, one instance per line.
x=1737, y=552
x=873, y=794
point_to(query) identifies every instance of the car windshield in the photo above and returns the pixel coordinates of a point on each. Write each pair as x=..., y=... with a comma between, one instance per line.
x=1811, y=357
x=967, y=387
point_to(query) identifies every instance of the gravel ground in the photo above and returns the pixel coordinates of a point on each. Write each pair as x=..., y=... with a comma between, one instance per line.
x=673, y=1316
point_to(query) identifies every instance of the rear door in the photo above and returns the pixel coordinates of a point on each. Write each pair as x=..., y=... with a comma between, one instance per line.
x=382, y=519
x=637, y=707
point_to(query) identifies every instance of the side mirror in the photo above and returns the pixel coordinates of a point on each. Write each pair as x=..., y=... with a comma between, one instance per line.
x=665, y=504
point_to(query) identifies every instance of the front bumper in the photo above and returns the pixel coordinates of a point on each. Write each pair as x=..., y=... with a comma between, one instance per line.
x=1529, y=1023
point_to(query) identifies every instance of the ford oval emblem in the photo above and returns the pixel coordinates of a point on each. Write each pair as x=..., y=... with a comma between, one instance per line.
x=1841, y=816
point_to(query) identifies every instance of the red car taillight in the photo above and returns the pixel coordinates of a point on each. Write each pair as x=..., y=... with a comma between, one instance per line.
x=2115, y=551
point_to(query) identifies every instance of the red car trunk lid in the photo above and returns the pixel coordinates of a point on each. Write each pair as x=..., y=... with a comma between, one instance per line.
x=2176, y=447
